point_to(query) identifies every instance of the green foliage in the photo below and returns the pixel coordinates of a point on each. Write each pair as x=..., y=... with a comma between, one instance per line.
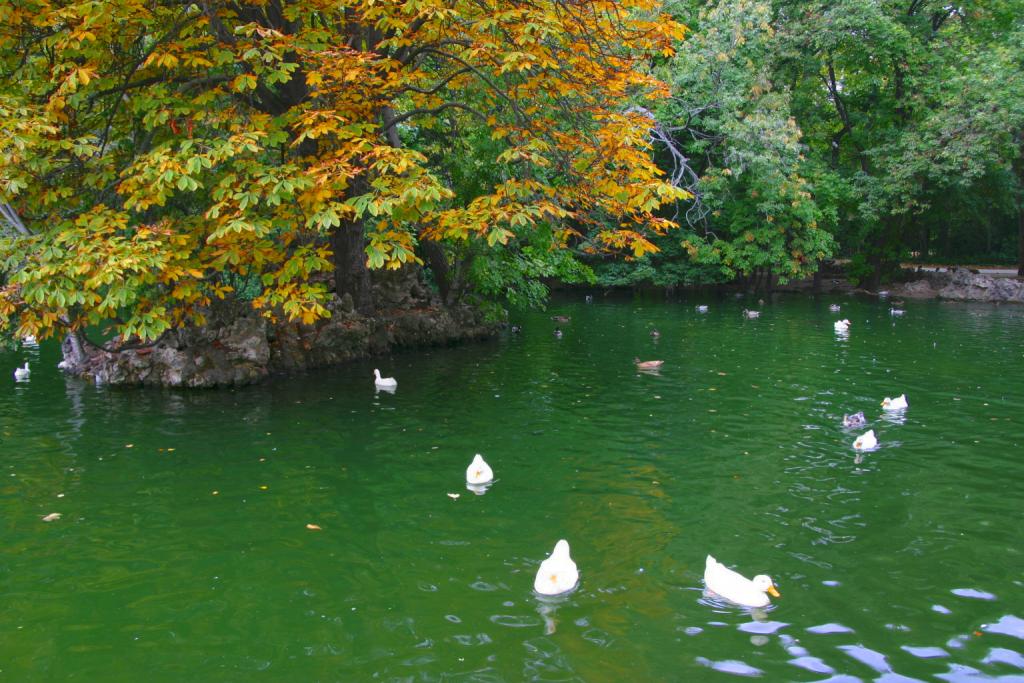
x=516, y=276
x=906, y=106
x=736, y=126
x=670, y=267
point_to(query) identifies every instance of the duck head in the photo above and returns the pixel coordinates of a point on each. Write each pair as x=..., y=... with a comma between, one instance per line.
x=764, y=583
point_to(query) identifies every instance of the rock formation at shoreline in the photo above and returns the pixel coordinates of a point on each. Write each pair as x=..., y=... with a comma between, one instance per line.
x=237, y=346
x=961, y=284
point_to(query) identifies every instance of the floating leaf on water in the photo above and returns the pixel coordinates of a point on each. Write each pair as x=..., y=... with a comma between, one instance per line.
x=263, y=487
x=52, y=517
x=215, y=493
x=314, y=527
x=129, y=445
x=453, y=496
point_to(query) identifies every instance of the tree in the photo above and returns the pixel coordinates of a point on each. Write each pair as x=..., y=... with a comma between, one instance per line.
x=759, y=217
x=728, y=134
x=903, y=102
x=162, y=154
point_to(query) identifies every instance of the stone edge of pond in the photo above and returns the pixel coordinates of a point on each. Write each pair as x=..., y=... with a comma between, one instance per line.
x=237, y=346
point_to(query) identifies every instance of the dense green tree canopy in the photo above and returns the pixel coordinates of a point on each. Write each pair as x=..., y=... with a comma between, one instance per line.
x=873, y=130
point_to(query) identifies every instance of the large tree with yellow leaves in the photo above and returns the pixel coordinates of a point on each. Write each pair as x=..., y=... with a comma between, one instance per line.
x=156, y=154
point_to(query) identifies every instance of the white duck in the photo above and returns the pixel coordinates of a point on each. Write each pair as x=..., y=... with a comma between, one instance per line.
x=866, y=441
x=558, y=573
x=383, y=382
x=30, y=340
x=842, y=325
x=479, y=472
x=898, y=403
x=22, y=374
x=737, y=588
x=751, y=314
x=702, y=309
x=835, y=308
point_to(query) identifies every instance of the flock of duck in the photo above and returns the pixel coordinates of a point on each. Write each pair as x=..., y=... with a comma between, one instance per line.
x=558, y=573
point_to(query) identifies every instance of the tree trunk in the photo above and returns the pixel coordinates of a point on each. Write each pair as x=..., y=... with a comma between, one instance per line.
x=351, y=276
x=435, y=257
x=875, y=278
x=1020, y=236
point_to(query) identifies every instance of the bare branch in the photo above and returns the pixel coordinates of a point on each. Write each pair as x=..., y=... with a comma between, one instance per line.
x=12, y=219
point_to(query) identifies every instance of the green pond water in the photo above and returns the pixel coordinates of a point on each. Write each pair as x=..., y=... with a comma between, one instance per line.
x=183, y=554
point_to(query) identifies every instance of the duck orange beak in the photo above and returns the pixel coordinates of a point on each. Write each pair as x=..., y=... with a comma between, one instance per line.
x=772, y=592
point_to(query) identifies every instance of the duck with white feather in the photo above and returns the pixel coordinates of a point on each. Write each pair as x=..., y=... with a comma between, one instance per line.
x=866, y=441
x=383, y=382
x=737, y=588
x=558, y=573
x=479, y=472
x=22, y=374
x=898, y=403
x=842, y=325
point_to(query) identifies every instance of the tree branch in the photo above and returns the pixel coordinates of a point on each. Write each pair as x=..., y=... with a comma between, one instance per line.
x=436, y=110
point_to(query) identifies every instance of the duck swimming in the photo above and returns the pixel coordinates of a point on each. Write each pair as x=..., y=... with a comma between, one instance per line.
x=751, y=314
x=835, y=308
x=898, y=403
x=558, y=573
x=866, y=441
x=479, y=472
x=22, y=374
x=383, y=382
x=648, y=364
x=842, y=325
x=702, y=309
x=737, y=588
x=855, y=420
